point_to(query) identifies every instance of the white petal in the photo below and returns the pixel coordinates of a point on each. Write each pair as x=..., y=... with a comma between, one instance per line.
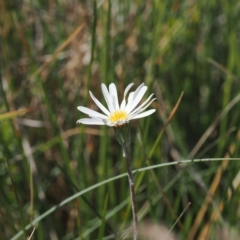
x=122, y=122
x=132, y=96
x=107, y=97
x=144, y=114
x=138, y=89
x=142, y=107
x=91, y=112
x=99, y=104
x=123, y=104
x=113, y=94
x=130, y=100
x=108, y=123
x=132, y=116
x=90, y=121
x=136, y=99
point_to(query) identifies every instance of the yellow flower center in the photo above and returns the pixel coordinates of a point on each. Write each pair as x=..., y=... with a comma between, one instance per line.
x=118, y=116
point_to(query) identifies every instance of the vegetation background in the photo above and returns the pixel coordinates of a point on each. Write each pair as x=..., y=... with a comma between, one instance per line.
x=54, y=51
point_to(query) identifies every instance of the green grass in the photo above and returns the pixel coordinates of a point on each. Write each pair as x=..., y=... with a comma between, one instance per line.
x=54, y=52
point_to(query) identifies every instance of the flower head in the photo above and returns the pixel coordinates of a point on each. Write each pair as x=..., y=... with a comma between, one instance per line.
x=117, y=115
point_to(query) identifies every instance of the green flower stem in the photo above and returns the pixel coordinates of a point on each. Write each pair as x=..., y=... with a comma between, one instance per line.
x=126, y=149
x=123, y=135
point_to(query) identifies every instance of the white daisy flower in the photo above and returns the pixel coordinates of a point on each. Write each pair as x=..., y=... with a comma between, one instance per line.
x=117, y=115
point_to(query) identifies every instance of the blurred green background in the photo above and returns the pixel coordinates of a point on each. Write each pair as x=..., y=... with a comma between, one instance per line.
x=54, y=51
